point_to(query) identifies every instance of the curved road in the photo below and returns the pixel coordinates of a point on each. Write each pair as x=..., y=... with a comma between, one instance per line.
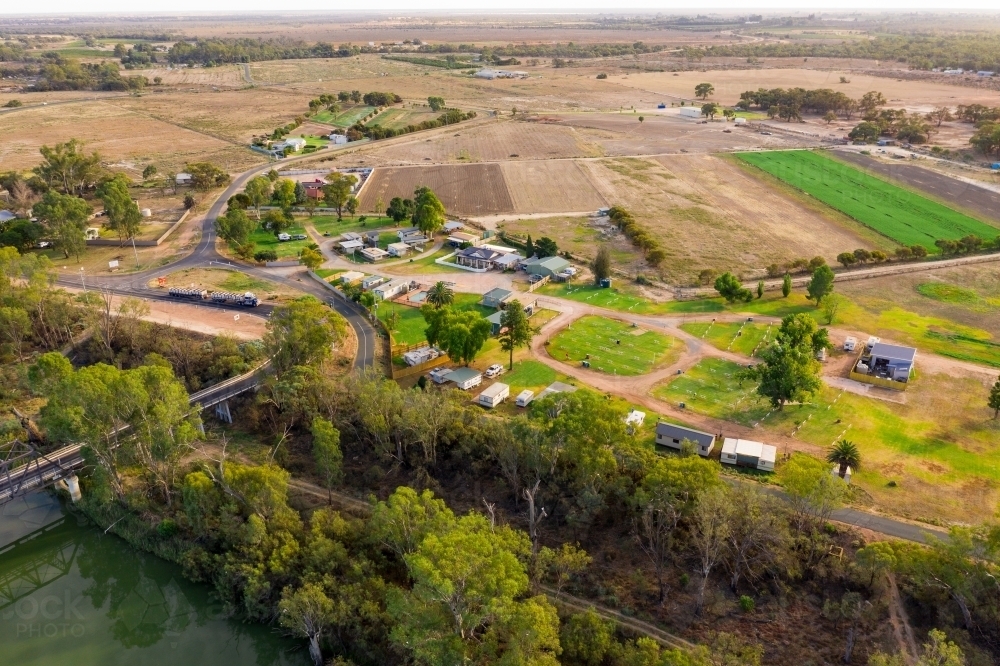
x=205, y=255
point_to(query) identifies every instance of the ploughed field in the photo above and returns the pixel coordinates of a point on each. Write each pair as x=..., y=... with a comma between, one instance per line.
x=467, y=189
x=903, y=216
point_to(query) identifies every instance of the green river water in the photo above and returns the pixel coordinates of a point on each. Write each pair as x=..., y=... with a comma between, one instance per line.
x=72, y=595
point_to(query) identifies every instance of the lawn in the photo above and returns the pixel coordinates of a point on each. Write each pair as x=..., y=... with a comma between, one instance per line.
x=410, y=327
x=345, y=118
x=528, y=374
x=904, y=216
x=614, y=347
x=329, y=224
x=426, y=265
x=938, y=447
x=618, y=299
x=744, y=338
x=265, y=240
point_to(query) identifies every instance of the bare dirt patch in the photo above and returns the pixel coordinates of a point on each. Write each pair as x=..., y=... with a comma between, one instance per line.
x=217, y=279
x=550, y=186
x=473, y=189
x=707, y=213
x=222, y=75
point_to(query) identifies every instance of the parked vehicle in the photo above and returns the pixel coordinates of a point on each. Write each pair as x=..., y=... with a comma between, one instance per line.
x=246, y=299
x=494, y=370
x=299, y=237
x=284, y=237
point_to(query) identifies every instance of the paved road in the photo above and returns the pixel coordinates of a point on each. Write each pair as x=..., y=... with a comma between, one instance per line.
x=205, y=256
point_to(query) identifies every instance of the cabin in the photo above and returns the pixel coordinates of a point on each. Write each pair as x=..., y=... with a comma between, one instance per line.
x=671, y=435
x=465, y=378
x=494, y=395
x=747, y=453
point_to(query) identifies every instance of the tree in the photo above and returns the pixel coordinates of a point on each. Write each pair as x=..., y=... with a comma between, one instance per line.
x=940, y=651
x=65, y=217
x=234, y=227
x=867, y=132
x=529, y=248
x=845, y=454
x=832, y=305
x=821, y=284
x=641, y=118
x=758, y=541
x=874, y=560
x=586, y=638
x=786, y=285
x=703, y=90
x=352, y=206
x=846, y=259
x=337, y=191
x=148, y=172
x=277, y=221
x=760, y=289
x=709, y=532
x=852, y=608
x=302, y=333
x=728, y=114
x=787, y=371
x=16, y=328
x=460, y=334
x=205, y=175
x=987, y=138
x=428, y=211
x=123, y=213
x=660, y=511
x=709, y=109
x=284, y=193
x=66, y=167
x=311, y=258
x=830, y=116
x=601, y=266
x=306, y=612
x=730, y=288
x=399, y=209
x=871, y=101
x=993, y=402
x=440, y=295
x=515, y=329
x=546, y=247
x=327, y=454
x=812, y=491
x=436, y=103
x=258, y=191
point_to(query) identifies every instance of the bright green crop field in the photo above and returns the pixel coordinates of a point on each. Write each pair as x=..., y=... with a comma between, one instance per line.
x=903, y=216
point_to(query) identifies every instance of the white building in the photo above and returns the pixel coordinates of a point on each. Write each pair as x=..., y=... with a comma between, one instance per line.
x=373, y=253
x=494, y=395
x=671, y=435
x=372, y=281
x=183, y=179
x=690, y=112
x=421, y=355
x=391, y=289
x=338, y=139
x=351, y=245
x=747, y=453
x=398, y=249
x=350, y=276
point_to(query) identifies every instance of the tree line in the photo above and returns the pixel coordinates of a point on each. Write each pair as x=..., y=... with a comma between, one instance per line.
x=58, y=73
x=449, y=117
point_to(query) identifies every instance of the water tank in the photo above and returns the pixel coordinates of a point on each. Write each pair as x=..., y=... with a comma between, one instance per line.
x=145, y=212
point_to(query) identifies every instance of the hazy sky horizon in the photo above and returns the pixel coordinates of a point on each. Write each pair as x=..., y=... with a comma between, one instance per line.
x=173, y=7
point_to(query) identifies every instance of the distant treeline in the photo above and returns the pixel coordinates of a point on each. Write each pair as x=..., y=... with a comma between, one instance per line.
x=11, y=52
x=433, y=62
x=65, y=74
x=974, y=52
x=218, y=51
x=568, y=50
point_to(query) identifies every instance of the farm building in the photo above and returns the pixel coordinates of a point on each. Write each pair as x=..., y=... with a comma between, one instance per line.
x=495, y=324
x=496, y=298
x=450, y=227
x=494, y=395
x=350, y=277
x=372, y=281
x=373, y=253
x=391, y=289
x=740, y=121
x=398, y=249
x=668, y=434
x=338, y=139
x=886, y=362
x=351, y=245
x=458, y=239
x=747, y=453
x=295, y=144
x=314, y=188
x=690, y=112
x=508, y=262
x=465, y=378
x=546, y=267
x=183, y=179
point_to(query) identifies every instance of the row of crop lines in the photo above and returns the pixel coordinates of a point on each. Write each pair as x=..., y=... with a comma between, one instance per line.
x=903, y=216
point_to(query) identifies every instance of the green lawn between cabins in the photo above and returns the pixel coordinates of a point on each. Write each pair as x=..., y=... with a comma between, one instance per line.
x=943, y=435
x=903, y=216
x=410, y=327
x=614, y=347
x=744, y=338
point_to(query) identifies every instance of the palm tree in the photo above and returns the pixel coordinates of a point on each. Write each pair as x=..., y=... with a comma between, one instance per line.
x=440, y=295
x=845, y=453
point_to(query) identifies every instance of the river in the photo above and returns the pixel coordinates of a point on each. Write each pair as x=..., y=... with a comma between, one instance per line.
x=72, y=595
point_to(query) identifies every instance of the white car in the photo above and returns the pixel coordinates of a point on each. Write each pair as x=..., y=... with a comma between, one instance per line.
x=284, y=237
x=299, y=237
x=494, y=370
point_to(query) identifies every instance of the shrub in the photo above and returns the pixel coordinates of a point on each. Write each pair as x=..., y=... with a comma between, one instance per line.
x=265, y=255
x=747, y=604
x=602, y=75
x=189, y=202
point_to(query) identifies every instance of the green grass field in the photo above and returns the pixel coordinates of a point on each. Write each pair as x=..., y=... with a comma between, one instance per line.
x=528, y=374
x=943, y=438
x=410, y=327
x=345, y=118
x=614, y=347
x=265, y=240
x=329, y=224
x=903, y=216
x=400, y=118
x=740, y=338
x=618, y=299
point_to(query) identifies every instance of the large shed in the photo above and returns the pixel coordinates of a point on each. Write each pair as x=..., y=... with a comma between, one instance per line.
x=546, y=267
x=465, y=378
x=670, y=435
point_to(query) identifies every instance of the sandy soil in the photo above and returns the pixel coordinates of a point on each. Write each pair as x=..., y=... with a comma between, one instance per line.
x=472, y=189
x=551, y=186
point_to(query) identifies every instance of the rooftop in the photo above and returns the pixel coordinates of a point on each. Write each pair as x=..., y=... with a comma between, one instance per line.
x=459, y=375
x=680, y=432
x=894, y=352
x=498, y=294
